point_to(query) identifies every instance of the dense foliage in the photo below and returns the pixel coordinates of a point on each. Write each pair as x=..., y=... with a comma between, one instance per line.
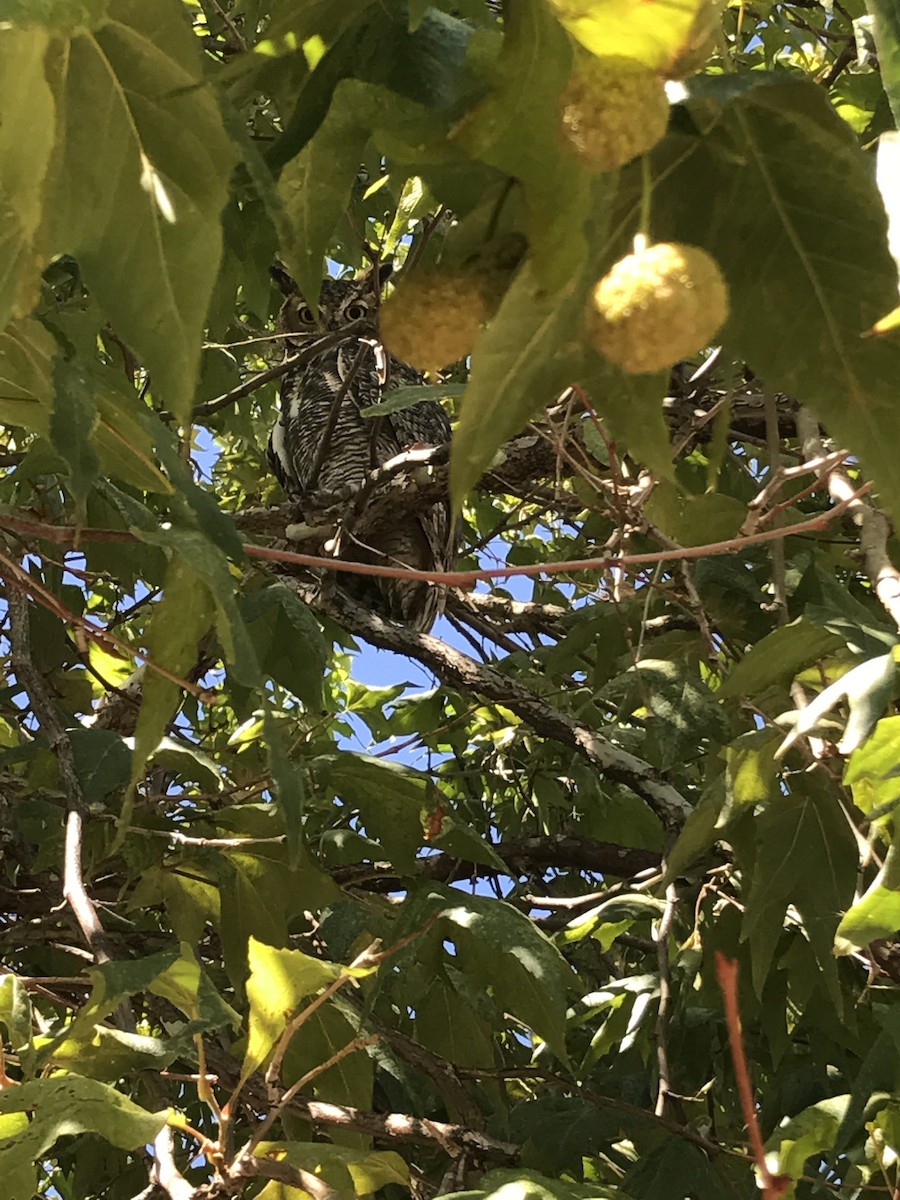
x=266, y=928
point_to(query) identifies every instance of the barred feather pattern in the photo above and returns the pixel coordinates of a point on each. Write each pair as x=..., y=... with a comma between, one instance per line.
x=321, y=443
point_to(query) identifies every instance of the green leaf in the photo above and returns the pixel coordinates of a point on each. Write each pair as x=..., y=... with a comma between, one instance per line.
x=138, y=202
x=27, y=103
x=315, y=186
x=71, y=428
x=684, y=710
x=517, y=1183
x=516, y=129
x=557, y=1129
x=674, y=1167
x=778, y=657
x=112, y=983
x=349, y=1172
x=195, y=506
x=529, y=979
x=886, y=30
x=348, y=1081
x=278, y=981
x=61, y=1106
x=120, y=426
x=188, y=987
x=111, y=1054
x=102, y=760
x=867, y=688
x=517, y=370
x=427, y=66
x=200, y=571
x=827, y=602
x=16, y=1017
x=877, y=913
x=809, y=1133
x=449, y=1025
x=871, y=770
x=392, y=799
x=656, y=33
x=404, y=397
x=798, y=178
x=806, y=856
x=188, y=762
x=253, y=905
x=751, y=773
x=189, y=902
x=288, y=785
x=288, y=641
x=54, y=14
x=877, y=1073
x=180, y=620
x=631, y=407
x=692, y=520
x=462, y=841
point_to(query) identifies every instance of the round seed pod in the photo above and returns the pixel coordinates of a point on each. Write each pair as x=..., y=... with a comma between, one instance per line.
x=657, y=306
x=433, y=319
x=612, y=110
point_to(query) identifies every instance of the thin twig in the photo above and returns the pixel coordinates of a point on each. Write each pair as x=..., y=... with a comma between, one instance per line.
x=661, y=938
x=229, y=24
x=28, y=584
x=294, y=1090
x=776, y=550
x=309, y=352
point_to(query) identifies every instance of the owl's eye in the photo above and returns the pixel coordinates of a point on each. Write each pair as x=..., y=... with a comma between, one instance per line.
x=356, y=312
x=306, y=315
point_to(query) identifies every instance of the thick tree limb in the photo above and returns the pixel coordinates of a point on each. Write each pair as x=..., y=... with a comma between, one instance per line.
x=457, y=670
x=165, y=1173
x=522, y=855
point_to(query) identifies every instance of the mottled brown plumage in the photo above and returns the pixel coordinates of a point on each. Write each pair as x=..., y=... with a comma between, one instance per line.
x=322, y=444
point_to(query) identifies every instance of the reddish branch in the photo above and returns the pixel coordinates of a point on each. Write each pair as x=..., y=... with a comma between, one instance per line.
x=567, y=566
x=19, y=580
x=774, y=1186
x=67, y=535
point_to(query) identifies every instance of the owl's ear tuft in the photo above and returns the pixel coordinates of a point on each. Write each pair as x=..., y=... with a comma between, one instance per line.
x=384, y=271
x=283, y=279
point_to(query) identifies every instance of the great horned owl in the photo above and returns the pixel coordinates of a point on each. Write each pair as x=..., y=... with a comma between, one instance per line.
x=322, y=444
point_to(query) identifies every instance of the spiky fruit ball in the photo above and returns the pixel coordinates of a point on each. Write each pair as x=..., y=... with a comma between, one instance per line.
x=612, y=109
x=433, y=318
x=659, y=305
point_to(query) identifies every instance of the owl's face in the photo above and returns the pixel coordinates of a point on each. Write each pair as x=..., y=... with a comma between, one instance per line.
x=341, y=303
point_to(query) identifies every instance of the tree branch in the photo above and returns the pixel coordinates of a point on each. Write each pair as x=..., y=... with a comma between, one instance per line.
x=44, y=709
x=457, y=670
x=391, y=1126
x=874, y=527
x=521, y=855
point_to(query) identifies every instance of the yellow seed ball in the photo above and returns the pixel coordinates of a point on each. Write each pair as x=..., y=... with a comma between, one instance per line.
x=658, y=306
x=613, y=109
x=433, y=319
